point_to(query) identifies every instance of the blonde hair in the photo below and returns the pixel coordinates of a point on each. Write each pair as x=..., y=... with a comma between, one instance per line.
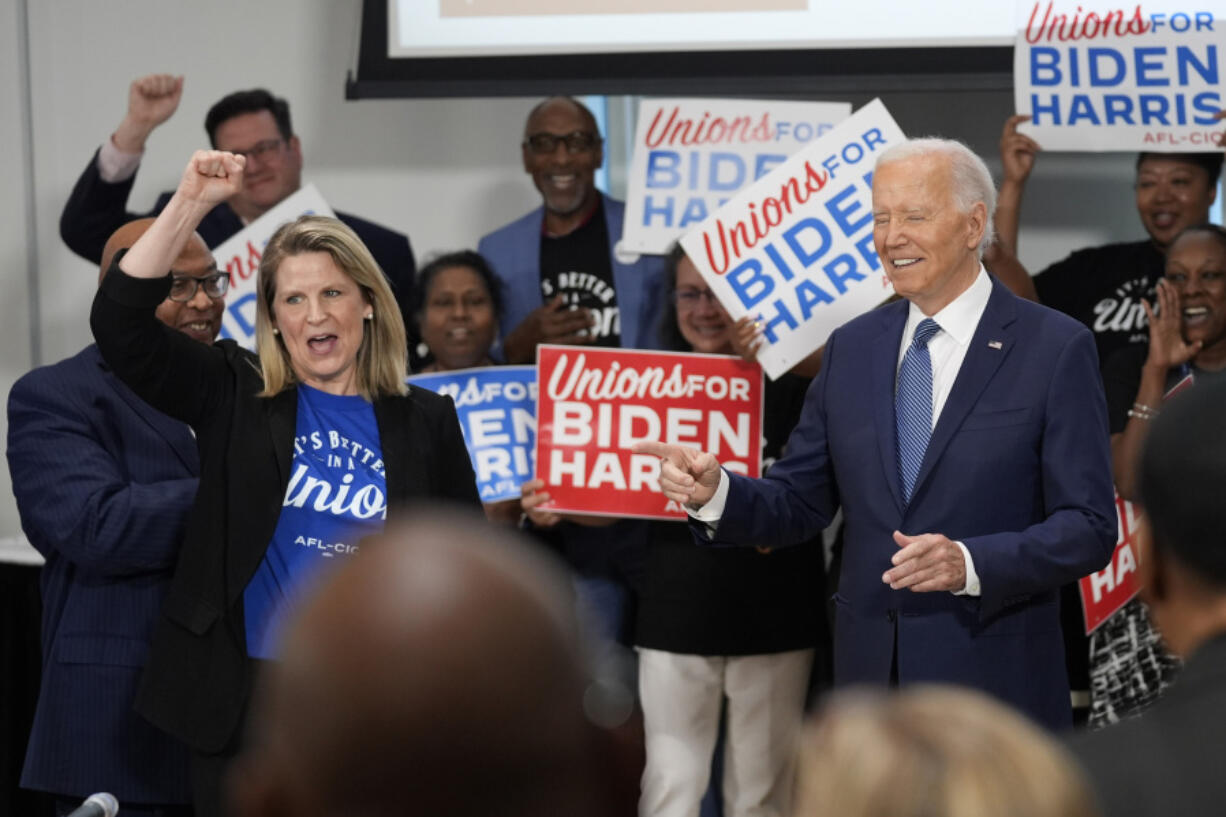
x=934, y=752
x=382, y=360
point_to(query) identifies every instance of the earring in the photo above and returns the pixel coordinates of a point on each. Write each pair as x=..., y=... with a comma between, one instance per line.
x=276, y=331
x=422, y=349
x=370, y=316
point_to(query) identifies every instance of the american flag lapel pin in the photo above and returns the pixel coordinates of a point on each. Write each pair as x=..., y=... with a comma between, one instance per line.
x=995, y=344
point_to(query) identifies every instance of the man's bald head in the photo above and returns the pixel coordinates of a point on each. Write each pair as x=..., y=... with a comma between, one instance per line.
x=554, y=104
x=122, y=239
x=199, y=317
x=437, y=672
x=562, y=149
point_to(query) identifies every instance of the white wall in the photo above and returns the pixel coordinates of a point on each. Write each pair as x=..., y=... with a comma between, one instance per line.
x=443, y=171
x=16, y=256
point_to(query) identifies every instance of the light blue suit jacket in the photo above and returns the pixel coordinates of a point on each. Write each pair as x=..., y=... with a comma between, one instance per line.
x=514, y=252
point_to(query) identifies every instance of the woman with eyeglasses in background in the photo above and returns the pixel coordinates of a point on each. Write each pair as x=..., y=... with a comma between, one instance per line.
x=729, y=635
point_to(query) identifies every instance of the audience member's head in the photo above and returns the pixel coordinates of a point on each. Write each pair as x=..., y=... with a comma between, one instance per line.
x=371, y=341
x=933, y=752
x=562, y=150
x=1196, y=268
x=437, y=672
x=697, y=322
x=197, y=290
x=457, y=302
x=257, y=124
x=1175, y=191
x=1182, y=488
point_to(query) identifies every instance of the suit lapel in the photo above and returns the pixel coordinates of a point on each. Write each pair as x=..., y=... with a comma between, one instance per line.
x=282, y=426
x=980, y=364
x=884, y=373
x=174, y=432
x=400, y=433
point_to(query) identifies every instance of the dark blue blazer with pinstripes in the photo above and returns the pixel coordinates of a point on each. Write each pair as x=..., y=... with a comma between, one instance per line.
x=103, y=484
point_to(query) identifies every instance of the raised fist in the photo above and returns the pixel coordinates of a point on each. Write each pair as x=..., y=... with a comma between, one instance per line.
x=154, y=99
x=212, y=176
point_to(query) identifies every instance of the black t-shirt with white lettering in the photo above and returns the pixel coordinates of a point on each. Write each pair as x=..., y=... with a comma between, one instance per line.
x=577, y=266
x=1102, y=287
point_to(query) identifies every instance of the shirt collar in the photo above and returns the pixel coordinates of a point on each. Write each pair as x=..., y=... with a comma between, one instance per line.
x=960, y=316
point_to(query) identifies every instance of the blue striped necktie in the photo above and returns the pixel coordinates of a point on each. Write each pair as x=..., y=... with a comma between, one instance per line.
x=913, y=406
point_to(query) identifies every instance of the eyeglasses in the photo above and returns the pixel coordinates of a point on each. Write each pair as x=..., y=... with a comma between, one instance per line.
x=183, y=287
x=261, y=150
x=578, y=142
x=689, y=298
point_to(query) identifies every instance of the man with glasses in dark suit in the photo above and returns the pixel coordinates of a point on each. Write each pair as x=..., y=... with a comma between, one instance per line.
x=103, y=484
x=254, y=123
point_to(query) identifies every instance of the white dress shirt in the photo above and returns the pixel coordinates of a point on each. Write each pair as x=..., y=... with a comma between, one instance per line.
x=946, y=349
x=115, y=165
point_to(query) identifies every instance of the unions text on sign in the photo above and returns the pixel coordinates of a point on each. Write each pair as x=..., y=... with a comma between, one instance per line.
x=691, y=155
x=595, y=404
x=1140, y=77
x=796, y=248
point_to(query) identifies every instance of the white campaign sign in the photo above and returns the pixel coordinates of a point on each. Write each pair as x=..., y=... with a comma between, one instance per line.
x=691, y=155
x=796, y=248
x=240, y=256
x=1101, y=77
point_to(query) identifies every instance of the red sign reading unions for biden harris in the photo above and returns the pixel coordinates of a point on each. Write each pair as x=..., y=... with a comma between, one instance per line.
x=796, y=248
x=1101, y=76
x=1106, y=591
x=594, y=404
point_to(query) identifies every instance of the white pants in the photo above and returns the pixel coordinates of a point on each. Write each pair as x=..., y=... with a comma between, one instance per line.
x=681, y=697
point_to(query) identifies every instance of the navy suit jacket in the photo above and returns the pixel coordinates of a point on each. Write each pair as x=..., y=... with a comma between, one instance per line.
x=1018, y=469
x=514, y=253
x=103, y=484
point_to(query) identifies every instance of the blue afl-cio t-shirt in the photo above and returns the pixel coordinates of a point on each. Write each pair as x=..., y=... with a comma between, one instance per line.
x=337, y=494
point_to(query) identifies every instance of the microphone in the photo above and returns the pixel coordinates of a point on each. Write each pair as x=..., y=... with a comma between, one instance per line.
x=97, y=805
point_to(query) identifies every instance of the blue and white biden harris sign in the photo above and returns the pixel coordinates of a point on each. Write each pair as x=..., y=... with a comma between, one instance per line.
x=497, y=411
x=796, y=249
x=692, y=155
x=1099, y=77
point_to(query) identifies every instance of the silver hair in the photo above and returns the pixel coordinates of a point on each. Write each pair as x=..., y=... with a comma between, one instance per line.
x=971, y=177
